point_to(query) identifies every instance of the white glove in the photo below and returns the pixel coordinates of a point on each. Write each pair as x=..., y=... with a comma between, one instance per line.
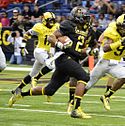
x=88, y=50
x=65, y=45
x=59, y=44
x=95, y=51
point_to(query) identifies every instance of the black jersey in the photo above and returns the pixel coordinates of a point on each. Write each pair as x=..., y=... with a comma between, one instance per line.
x=80, y=39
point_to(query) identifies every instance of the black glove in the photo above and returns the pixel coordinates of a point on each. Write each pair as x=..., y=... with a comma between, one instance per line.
x=123, y=41
x=13, y=34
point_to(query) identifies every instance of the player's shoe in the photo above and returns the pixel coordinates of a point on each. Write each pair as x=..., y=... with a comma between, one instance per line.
x=69, y=108
x=16, y=95
x=48, y=98
x=34, y=82
x=105, y=101
x=78, y=113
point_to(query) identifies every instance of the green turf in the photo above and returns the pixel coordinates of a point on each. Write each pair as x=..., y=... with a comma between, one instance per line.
x=35, y=111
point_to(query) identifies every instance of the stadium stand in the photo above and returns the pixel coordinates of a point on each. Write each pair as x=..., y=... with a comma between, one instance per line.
x=60, y=7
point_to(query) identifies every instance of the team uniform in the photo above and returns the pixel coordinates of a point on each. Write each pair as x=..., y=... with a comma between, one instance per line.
x=67, y=65
x=42, y=51
x=109, y=63
x=2, y=56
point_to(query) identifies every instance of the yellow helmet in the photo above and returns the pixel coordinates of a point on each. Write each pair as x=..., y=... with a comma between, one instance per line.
x=120, y=23
x=48, y=19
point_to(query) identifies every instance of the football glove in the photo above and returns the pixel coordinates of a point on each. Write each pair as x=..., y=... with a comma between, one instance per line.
x=123, y=41
x=66, y=45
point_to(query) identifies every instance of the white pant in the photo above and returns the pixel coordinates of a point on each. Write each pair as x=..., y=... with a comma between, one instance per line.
x=2, y=60
x=41, y=56
x=104, y=67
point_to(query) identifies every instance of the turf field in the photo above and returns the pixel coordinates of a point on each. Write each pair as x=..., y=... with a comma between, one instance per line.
x=35, y=111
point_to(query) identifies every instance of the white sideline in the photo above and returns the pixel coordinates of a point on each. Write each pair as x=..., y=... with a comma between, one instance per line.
x=59, y=112
x=18, y=68
x=20, y=105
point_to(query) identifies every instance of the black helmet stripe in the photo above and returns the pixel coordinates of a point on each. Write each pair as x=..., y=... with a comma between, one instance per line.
x=124, y=19
x=52, y=15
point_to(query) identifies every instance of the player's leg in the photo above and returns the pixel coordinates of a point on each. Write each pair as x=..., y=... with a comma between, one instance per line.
x=2, y=60
x=73, y=69
x=42, y=72
x=117, y=71
x=80, y=87
x=109, y=83
x=98, y=71
x=72, y=87
x=41, y=56
x=26, y=80
x=56, y=82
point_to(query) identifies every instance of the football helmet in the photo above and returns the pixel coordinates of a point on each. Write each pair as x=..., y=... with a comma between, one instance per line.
x=49, y=19
x=80, y=15
x=120, y=23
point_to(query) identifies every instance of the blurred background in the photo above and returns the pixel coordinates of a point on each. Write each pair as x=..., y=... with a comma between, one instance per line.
x=21, y=15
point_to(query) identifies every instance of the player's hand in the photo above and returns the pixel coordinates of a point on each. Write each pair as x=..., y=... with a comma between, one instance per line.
x=59, y=44
x=64, y=45
x=123, y=41
x=88, y=51
x=96, y=51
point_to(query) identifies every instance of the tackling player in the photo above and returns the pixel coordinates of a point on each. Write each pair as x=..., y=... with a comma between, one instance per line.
x=41, y=52
x=2, y=56
x=114, y=50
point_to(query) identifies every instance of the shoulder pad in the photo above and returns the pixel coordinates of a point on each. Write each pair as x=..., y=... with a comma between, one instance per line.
x=67, y=27
x=111, y=31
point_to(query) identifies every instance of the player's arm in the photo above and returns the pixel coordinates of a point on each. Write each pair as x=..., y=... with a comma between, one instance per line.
x=107, y=44
x=110, y=45
x=28, y=34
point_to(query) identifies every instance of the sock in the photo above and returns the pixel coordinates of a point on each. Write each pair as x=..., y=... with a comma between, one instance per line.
x=109, y=93
x=71, y=94
x=43, y=71
x=107, y=88
x=25, y=81
x=77, y=101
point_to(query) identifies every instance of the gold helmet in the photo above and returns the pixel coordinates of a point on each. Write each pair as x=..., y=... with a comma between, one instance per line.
x=120, y=23
x=48, y=19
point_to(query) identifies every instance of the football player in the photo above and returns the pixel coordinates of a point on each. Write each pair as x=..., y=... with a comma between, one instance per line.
x=42, y=51
x=2, y=56
x=67, y=64
x=114, y=49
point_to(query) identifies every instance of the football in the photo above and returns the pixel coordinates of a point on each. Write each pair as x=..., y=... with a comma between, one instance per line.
x=64, y=39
